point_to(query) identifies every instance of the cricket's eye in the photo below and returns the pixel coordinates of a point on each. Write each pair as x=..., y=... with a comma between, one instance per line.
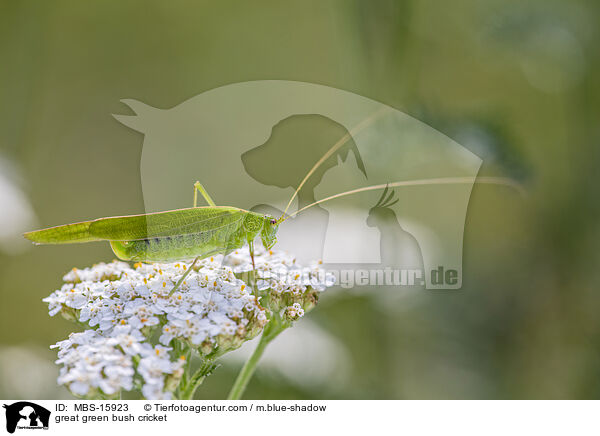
x=273, y=221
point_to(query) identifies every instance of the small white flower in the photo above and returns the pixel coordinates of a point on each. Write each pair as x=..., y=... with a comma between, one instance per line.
x=154, y=391
x=294, y=312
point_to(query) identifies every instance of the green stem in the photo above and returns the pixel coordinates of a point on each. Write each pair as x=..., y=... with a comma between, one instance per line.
x=196, y=380
x=271, y=331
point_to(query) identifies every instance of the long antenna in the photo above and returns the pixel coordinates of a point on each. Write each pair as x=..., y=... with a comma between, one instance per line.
x=364, y=123
x=420, y=182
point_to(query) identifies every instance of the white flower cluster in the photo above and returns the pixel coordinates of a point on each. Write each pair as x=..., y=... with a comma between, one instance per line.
x=96, y=365
x=212, y=311
x=282, y=282
x=279, y=269
x=129, y=309
x=211, y=302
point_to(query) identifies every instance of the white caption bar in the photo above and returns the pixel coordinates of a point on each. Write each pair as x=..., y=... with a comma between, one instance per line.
x=302, y=417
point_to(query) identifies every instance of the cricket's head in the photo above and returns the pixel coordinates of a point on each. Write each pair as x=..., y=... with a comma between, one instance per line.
x=268, y=233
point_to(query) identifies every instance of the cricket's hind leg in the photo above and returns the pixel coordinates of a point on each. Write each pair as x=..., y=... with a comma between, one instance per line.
x=199, y=188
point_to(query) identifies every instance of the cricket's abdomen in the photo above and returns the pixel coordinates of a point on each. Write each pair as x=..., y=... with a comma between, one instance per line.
x=171, y=248
x=180, y=247
x=220, y=240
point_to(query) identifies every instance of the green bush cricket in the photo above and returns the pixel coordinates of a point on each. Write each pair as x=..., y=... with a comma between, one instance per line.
x=196, y=232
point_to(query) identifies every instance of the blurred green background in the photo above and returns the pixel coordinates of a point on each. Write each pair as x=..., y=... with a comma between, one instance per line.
x=515, y=81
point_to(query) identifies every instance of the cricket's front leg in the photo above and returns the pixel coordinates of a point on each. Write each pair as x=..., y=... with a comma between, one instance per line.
x=251, y=249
